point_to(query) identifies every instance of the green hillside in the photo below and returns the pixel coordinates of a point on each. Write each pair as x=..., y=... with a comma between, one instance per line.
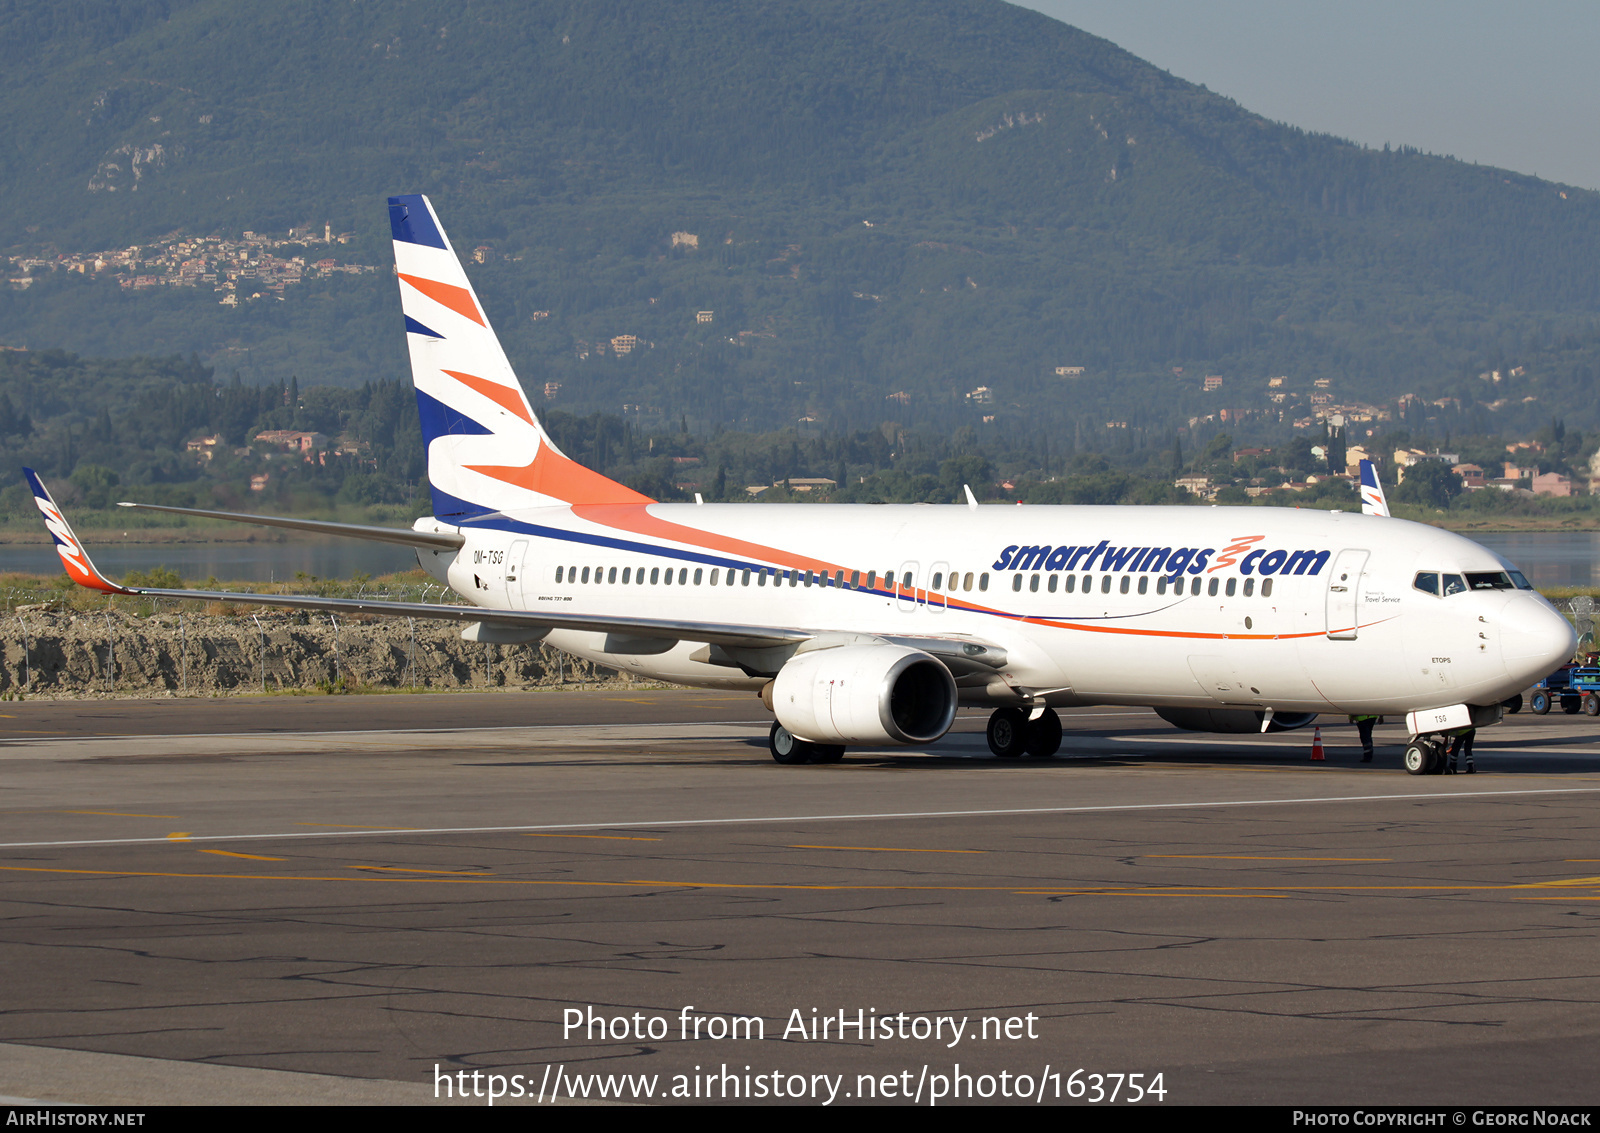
x=887, y=198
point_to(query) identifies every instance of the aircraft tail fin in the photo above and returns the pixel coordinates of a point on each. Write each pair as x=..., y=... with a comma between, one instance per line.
x=487, y=451
x=1372, y=501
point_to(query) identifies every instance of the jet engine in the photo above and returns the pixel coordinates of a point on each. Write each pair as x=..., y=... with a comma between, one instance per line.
x=1237, y=720
x=865, y=694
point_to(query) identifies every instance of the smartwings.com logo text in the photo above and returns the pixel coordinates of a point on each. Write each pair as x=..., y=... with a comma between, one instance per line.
x=1170, y=561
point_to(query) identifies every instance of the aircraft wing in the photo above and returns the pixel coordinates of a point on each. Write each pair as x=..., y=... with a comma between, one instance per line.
x=405, y=536
x=83, y=571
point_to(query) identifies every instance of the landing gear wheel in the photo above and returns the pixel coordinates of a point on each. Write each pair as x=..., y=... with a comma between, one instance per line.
x=1008, y=733
x=1440, y=750
x=1539, y=703
x=1512, y=704
x=786, y=748
x=1044, y=735
x=1424, y=757
x=1591, y=704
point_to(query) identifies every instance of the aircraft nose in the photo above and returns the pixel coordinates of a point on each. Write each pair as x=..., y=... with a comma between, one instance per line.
x=1534, y=638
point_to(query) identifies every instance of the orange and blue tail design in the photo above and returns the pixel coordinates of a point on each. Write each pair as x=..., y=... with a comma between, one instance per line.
x=487, y=452
x=1372, y=500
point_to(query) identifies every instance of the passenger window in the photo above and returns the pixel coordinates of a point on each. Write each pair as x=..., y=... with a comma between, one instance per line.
x=611, y=575
x=1072, y=583
x=938, y=580
x=967, y=583
x=1427, y=581
x=627, y=575
x=1232, y=584
x=1033, y=584
x=1016, y=582
x=872, y=579
x=1126, y=582
x=1249, y=587
x=1211, y=591
x=586, y=574
x=855, y=579
x=1194, y=589
x=1266, y=588
x=1053, y=581
x=638, y=577
x=983, y=581
x=1105, y=584
x=906, y=580
x=1454, y=584
x=714, y=574
x=1161, y=585
x=558, y=574
x=1144, y=584
x=746, y=581
x=838, y=578
x=761, y=577
x=697, y=576
x=655, y=576
x=683, y=576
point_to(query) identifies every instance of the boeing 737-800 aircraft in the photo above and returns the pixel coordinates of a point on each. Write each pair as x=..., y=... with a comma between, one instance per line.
x=870, y=624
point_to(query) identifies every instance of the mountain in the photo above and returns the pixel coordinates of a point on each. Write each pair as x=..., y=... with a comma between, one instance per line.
x=885, y=205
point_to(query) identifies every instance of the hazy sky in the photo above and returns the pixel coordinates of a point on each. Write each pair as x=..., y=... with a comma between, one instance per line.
x=1511, y=85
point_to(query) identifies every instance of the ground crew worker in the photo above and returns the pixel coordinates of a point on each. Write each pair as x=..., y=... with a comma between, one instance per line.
x=1461, y=741
x=1364, y=730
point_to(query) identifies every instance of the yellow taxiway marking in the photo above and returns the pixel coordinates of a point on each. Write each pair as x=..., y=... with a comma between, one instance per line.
x=598, y=837
x=1020, y=890
x=887, y=849
x=252, y=857
x=116, y=814
x=178, y=836
x=402, y=869
x=1260, y=858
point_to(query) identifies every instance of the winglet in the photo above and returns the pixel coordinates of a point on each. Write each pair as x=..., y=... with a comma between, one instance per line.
x=1372, y=501
x=73, y=556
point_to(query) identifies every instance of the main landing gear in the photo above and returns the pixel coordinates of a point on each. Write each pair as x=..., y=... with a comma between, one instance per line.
x=1012, y=735
x=787, y=748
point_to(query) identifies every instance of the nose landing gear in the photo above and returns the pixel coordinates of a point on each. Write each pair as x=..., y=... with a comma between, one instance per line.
x=1425, y=755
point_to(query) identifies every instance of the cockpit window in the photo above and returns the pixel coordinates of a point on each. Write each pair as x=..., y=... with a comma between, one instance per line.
x=1489, y=580
x=1427, y=581
x=1521, y=583
x=1454, y=584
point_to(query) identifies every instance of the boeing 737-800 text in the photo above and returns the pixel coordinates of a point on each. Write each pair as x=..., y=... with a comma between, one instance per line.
x=870, y=624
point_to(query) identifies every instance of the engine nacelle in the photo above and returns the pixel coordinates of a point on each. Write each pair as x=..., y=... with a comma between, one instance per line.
x=1235, y=720
x=865, y=694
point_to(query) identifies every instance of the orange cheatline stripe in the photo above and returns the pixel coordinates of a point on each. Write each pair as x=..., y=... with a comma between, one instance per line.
x=503, y=396
x=458, y=299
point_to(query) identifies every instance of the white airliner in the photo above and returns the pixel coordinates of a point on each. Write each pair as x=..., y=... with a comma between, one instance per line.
x=870, y=624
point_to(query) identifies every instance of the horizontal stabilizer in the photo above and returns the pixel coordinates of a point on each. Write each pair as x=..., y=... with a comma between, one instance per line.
x=432, y=540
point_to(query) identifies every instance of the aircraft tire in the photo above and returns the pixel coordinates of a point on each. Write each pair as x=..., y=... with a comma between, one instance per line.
x=1008, y=733
x=1044, y=735
x=1539, y=703
x=1417, y=758
x=786, y=748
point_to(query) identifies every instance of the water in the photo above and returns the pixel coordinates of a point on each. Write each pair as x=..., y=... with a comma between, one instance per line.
x=1550, y=558
x=228, y=562
x=1565, y=558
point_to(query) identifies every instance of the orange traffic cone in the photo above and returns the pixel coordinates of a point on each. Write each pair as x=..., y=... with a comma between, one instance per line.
x=1316, y=746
